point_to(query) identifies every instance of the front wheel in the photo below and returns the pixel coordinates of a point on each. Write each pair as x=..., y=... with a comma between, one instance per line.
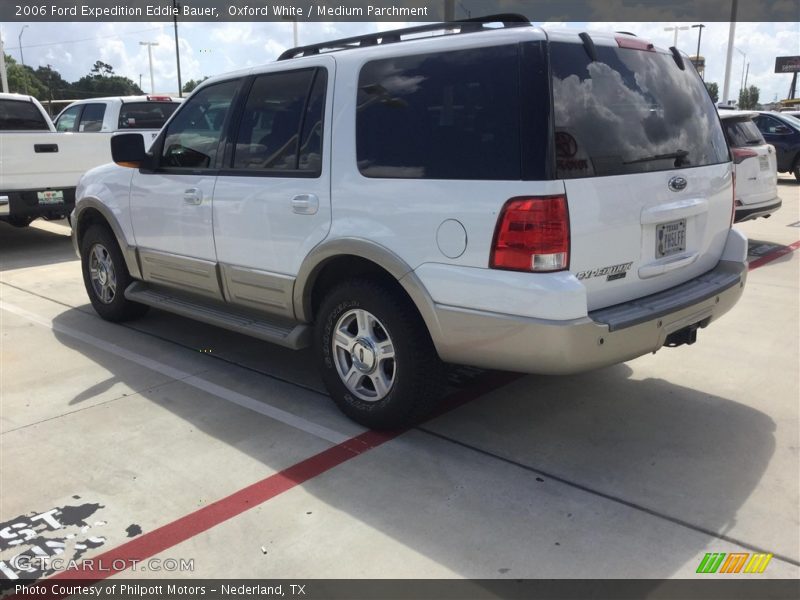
x=796, y=169
x=376, y=357
x=106, y=276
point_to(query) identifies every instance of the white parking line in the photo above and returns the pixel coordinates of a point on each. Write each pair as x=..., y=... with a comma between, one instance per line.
x=204, y=385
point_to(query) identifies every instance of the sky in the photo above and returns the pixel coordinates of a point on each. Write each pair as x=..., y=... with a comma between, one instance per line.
x=215, y=48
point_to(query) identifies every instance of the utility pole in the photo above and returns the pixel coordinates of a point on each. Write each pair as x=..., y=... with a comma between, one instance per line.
x=744, y=62
x=697, y=57
x=726, y=88
x=140, y=81
x=22, y=60
x=150, y=57
x=3, y=75
x=177, y=7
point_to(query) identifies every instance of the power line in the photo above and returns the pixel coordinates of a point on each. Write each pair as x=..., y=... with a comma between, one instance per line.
x=92, y=39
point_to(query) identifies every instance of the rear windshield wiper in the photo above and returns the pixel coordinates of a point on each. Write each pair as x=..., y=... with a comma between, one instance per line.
x=678, y=155
x=753, y=142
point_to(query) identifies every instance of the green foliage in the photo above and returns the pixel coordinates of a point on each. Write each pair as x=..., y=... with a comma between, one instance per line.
x=189, y=86
x=45, y=82
x=748, y=98
x=713, y=91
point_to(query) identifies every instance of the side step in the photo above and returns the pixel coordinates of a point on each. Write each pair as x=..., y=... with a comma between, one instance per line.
x=283, y=333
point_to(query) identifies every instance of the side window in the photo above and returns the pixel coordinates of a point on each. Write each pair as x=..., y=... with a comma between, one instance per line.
x=66, y=120
x=192, y=138
x=20, y=115
x=767, y=124
x=92, y=117
x=450, y=115
x=281, y=127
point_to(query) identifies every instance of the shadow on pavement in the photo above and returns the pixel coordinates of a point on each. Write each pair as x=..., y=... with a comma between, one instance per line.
x=22, y=247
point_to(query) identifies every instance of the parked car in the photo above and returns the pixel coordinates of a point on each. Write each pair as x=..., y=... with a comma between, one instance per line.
x=504, y=197
x=782, y=131
x=755, y=166
x=118, y=113
x=40, y=164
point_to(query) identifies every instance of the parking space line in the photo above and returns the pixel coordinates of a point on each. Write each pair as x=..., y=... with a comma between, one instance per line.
x=204, y=385
x=775, y=254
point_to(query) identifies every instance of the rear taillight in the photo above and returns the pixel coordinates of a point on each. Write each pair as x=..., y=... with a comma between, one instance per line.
x=733, y=199
x=739, y=154
x=532, y=235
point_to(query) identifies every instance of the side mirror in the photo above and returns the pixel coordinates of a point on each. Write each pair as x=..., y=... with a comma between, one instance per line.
x=127, y=150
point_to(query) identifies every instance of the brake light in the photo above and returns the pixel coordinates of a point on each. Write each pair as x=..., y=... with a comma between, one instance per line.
x=733, y=201
x=739, y=154
x=532, y=234
x=634, y=43
x=159, y=99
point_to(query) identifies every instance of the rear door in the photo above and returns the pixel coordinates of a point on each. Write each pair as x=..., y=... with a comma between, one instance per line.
x=645, y=166
x=272, y=198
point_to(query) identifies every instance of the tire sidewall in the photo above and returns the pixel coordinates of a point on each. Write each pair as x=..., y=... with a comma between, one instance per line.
x=117, y=309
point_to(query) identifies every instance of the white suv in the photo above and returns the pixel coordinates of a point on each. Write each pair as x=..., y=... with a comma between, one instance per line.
x=504, y=197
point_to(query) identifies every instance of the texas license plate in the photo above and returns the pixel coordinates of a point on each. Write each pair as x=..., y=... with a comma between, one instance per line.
x=670, y=238
x=51, y=197
x=763, y=162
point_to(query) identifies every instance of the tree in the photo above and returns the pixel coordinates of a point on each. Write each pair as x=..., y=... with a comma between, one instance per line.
x=57, y=87
x=22, y=80
x=748, y=98
x=102, y=69
x=713, y=91
x=189, y=86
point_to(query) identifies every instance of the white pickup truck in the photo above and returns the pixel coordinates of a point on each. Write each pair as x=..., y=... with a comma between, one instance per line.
x=40, y=164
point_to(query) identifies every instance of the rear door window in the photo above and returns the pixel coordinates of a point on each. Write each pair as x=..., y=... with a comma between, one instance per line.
x=742, y=132
x=281, y=126
x=145, y=115
x=20, y=115
x=92, y=117
x=630, y=111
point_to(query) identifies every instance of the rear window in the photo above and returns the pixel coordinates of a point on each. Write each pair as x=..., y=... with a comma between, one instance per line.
x=742, y=132
x=20, y=114
x=449, y=115
x=631, y=111
x=145, y=115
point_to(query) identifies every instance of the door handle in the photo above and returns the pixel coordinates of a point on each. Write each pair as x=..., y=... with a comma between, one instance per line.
x=305, y=204
x=193, y=196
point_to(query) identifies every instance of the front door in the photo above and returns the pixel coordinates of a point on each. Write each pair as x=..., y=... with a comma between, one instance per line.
x=171, y=204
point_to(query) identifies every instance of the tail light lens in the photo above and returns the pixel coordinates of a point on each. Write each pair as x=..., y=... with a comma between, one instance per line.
x=739, y=154
x=532, y=235
x=733, y=200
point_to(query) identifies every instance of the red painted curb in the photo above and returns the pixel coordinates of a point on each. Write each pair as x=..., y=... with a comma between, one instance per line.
x=775, y=254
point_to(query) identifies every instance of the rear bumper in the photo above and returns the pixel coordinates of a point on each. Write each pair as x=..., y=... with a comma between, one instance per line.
x=605, y=337
x=25, y=203
x=748, y=212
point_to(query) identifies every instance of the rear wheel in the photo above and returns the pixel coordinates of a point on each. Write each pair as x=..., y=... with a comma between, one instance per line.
x=376, y=357
x=106, y=276
x=796, y=168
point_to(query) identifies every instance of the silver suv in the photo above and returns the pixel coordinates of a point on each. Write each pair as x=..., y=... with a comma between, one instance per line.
x=504, y=197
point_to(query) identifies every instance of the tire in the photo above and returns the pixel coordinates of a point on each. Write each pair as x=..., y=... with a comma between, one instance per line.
x=18, y=221
x=796, y=169
x=106, y=276
x=384, y=392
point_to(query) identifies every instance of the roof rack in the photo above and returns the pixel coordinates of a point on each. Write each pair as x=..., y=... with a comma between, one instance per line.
x=389, y=37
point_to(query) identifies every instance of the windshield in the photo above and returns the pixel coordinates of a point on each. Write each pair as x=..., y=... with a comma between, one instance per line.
x=792, y=120
x=630, y=111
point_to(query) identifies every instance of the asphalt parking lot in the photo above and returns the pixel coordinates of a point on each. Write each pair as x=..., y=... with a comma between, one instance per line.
x=220, y=455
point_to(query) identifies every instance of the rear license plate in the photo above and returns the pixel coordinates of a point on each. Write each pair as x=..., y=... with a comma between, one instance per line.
x=51, y=197
x=763, y=162
x=670, y=238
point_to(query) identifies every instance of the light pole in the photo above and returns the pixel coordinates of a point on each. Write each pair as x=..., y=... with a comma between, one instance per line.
x=150, y=57
x=3, y=74
x=22, y=60
x=699, y=36
x=744, y=61
x=729, y=54
x=176, y=5
x=676, y=28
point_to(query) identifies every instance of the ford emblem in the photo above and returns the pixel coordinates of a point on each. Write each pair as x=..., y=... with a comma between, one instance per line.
x=678, y=184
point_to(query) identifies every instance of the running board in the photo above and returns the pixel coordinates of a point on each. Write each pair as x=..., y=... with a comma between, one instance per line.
x=295, y=336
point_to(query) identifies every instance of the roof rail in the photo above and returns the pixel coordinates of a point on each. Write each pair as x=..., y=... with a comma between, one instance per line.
x=388, y=37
